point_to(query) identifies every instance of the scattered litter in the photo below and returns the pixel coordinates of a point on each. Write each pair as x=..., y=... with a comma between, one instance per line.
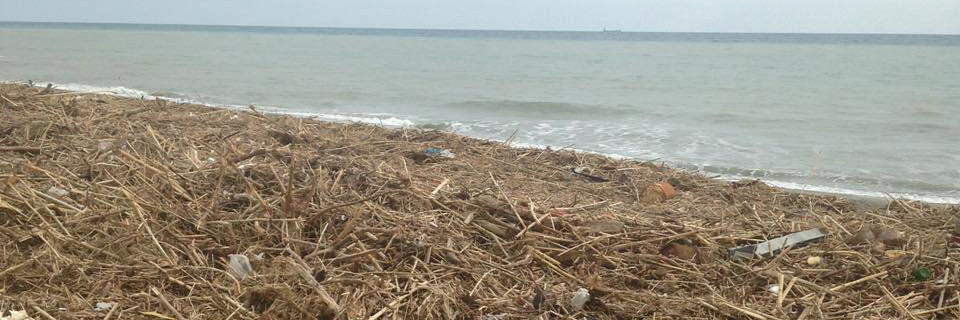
x=658, y=192
x=922, y=274
x=57, y=192
x=240, y=266
x=17, y=315
x=585, y=172
x=579, y=299
x=443, y=153
x=103, y=306
x=875, y=235
x=773, y=246
x=813, y=261
x=773, y=288
x=351, y=203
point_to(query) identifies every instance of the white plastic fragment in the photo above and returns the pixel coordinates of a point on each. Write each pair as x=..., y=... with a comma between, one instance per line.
x=240, y=266
x=17, y=315
x=579, y=299
x=103, y=306
x=444, y=153
x=57, y=192
x=773, y=288
x=773, y=246
x=447, y=154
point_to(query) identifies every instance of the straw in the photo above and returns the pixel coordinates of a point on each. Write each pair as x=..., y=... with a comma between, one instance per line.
x=354, y=221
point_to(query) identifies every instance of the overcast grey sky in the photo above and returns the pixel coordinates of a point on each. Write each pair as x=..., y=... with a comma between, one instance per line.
x=816, y=16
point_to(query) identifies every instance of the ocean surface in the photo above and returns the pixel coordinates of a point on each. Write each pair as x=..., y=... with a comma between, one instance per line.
x=854, y=114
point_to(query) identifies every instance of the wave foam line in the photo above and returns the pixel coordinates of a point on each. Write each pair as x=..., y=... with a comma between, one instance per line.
x=780, y=184
x=850, y=192
x=120, y=91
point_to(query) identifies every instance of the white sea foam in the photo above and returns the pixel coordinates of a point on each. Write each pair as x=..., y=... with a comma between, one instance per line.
x=389, y=122
x=115, y=91
x=851, y=192
x=378, y=119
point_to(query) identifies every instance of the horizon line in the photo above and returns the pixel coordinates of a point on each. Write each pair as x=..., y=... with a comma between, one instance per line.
x=602, y=30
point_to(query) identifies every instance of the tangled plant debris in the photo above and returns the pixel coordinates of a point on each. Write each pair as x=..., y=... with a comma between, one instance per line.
x=150, y=205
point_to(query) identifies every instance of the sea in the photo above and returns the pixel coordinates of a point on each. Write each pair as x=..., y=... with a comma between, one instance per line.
x=857, y=114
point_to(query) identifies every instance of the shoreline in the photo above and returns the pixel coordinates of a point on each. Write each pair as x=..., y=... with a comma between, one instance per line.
x=870, y=198
x=215, y=212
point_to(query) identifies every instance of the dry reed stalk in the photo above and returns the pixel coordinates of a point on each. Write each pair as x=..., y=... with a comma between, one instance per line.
x=373, y=227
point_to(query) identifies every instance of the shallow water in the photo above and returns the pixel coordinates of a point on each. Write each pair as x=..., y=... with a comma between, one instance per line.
x=858, y=114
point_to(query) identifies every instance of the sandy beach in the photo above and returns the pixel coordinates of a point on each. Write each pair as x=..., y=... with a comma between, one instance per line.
x=116, y=208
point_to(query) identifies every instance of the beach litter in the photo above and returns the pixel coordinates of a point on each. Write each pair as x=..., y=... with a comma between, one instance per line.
x=57, y=192
x=442, y=153
x=658, y=192
x=879, y=237
x=103, y=306
x=585, y=172
x=240, y=266
x=773, y=288
x=773, y=246
x=580, y=297
x=350, y=228
x=15, y=315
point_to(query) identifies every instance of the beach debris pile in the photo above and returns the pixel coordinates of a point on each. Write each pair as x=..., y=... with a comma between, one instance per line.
x=127, y=208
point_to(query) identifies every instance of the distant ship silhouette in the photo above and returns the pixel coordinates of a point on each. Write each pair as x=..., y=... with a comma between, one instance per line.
x=612, y=30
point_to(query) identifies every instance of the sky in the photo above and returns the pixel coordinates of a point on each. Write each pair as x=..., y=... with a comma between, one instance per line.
x=789, y=16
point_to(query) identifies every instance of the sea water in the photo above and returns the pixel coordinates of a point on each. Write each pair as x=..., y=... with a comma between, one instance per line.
x=855, y=114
